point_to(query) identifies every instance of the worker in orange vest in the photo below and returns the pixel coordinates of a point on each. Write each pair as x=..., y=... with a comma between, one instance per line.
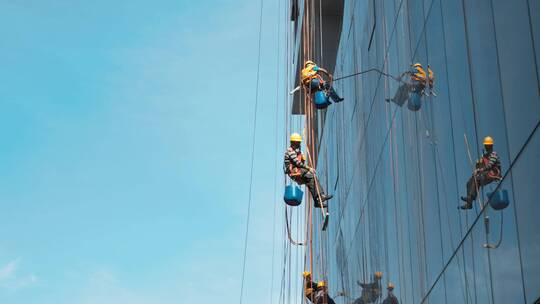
x=488, y=170
x=296, y=168
x=313, y=81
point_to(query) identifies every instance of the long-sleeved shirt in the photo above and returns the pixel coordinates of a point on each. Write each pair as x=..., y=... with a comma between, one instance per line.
x=292, y=158
x=490, y=163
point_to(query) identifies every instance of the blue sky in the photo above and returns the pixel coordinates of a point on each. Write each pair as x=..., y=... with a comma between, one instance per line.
x=126, y=140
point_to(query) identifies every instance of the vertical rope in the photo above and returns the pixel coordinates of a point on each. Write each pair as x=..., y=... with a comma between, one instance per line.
x=252, y=152
x=275, y=152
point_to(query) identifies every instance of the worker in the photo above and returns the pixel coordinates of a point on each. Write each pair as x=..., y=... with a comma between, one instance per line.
x=310, y=287
x=321, y=295
x=390, y=298
x=313, y=81
x=488, y=170
x=295, y=167
x=414, y=88
x=371, y=292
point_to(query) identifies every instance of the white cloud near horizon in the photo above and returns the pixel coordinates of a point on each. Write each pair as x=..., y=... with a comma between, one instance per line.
x=8, y=270
x=11, y=279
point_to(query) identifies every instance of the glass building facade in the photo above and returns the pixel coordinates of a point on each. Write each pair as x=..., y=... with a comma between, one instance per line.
x=397, y=174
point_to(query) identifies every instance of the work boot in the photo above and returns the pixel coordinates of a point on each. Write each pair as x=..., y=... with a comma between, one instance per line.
x=335, y=98
x=466, y=199
x=467, y=206
x=326, y=197
x=468, y=203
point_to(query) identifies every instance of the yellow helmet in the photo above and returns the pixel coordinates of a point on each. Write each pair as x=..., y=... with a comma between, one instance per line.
x=321, y=284
x=378, y=274
x=488, y=141
x=295, y=137
x=390, y=286
x=309, y=62
x=306, y=274
x=416, y=65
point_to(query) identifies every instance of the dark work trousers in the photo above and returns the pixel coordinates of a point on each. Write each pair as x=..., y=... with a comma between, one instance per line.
x=481, y=180
x=411, y=92
x=308, y=178
x=315, y=85
x=402, y=94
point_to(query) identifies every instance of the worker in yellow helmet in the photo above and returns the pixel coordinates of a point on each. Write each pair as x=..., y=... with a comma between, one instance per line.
x=321, y=295
x=488, y=170
x=414, y=87
x=390, y=298
x=295, y=167
x=371, y=292
x=310, y=287
x=313, y=81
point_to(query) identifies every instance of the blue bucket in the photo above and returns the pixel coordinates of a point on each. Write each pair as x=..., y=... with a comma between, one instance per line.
x=320, y=100
x=499, y=199
x=415, y=102
x=293, y=195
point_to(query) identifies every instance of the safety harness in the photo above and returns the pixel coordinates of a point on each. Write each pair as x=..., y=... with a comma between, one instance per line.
x=290, y=169
x=495, y=172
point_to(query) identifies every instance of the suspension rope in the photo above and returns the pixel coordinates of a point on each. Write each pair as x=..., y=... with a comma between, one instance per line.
x=252, y=152
x=275, y=153
x=396, y=78
x=289, y=230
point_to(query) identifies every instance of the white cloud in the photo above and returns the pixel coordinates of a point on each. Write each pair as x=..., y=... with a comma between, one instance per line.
x=24, y=282
x=8, y=271
x=12, y=280
x=104, y=287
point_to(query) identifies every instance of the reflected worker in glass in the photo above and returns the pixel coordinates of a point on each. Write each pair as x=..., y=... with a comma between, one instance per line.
x=371, y=292
x=415, y=87
x=390, y=298
x=488, y=170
